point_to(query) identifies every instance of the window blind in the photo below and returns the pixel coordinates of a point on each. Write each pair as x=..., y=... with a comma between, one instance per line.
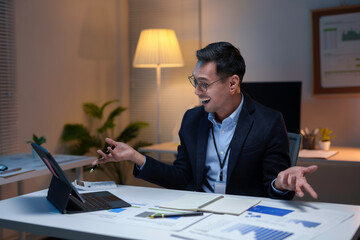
x=8, y=93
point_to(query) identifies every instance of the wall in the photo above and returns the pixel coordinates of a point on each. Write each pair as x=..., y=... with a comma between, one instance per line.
x=275, y=39
x=176, y=92
x=68, y=53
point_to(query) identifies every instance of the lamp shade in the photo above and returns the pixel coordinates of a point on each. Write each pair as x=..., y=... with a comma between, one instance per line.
x=158, y=48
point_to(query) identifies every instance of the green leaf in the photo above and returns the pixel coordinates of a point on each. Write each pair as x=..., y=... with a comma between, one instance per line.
x=109, y=124
x=83, y=146
x=131, y=131
x=81, y=140
x=106, y=126
x=37, y=140
x=40, y=140
x=92, y=110
x=75, y=132
x=107, y=103
x=116, y=112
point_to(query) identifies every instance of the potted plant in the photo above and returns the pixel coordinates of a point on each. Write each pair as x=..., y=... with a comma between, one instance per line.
x=80, y=139
x=326, y=135
x=38, y=141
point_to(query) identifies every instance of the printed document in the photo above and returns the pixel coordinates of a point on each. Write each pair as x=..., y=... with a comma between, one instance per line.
x=264, y=222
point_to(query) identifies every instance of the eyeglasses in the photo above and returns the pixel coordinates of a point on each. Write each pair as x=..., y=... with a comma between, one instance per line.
x=203, y=86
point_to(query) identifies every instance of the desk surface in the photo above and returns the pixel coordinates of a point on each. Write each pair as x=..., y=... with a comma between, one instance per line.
x=347, y=155
x=33, y=213
x=36, y=167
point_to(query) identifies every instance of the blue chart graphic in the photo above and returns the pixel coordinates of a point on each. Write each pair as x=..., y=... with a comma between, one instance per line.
x=252, y=215
x=270, y=210
x=306, y=224
x=260, y=232
x=117, y=210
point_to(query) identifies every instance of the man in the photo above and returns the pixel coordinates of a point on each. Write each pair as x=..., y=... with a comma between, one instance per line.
x=231, y=144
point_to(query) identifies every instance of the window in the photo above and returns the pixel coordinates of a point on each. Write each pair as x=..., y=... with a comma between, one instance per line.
x=8, y=93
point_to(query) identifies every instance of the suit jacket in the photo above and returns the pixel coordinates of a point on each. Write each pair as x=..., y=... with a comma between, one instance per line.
x=259, y=150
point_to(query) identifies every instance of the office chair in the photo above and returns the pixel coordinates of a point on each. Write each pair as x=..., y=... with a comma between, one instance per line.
x=294, y=139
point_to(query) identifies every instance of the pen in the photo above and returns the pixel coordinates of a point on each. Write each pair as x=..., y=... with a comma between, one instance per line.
x=11, y=170
x=188, y=214
x=107, y=152
x=93, y=168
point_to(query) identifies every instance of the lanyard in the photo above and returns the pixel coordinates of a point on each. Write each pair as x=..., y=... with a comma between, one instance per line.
x=227, y=151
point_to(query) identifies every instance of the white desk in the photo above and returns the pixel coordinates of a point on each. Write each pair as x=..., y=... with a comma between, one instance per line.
x=38, y=168
x=33, y=213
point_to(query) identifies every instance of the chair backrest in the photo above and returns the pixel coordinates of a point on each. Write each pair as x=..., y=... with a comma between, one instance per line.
x=284, y=97
x=295, y=140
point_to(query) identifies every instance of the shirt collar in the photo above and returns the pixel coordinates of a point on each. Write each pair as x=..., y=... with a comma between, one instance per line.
x=233, y=116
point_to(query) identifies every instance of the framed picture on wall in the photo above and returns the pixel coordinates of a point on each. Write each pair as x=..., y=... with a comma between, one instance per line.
x=336, y=50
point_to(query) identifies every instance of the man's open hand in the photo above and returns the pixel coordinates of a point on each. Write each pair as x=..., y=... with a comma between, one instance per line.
x=293, y=179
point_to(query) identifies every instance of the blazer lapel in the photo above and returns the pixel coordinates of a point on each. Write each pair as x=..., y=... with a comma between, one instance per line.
x=203, y=135
x=242, y=130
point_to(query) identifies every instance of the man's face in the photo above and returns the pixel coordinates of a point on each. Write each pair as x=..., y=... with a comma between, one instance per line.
x=215, y=98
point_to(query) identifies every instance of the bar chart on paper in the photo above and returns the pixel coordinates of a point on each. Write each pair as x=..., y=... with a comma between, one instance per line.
x=266, y=222
x=258, y=233
x=270, y=210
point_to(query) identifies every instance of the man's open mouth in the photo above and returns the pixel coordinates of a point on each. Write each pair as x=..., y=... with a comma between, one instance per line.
x=204, y=100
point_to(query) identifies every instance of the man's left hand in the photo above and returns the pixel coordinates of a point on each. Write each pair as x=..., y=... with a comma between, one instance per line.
x=293, y=179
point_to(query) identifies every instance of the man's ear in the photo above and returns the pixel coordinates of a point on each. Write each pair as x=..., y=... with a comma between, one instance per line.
x=234, y=84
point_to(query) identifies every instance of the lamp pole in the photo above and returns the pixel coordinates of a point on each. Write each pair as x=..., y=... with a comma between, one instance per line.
x=158, y=85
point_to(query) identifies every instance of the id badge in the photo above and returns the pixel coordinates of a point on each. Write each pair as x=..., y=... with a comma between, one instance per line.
x=220, y=187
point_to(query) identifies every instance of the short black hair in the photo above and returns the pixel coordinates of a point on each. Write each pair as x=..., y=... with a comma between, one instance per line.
x=227, y=58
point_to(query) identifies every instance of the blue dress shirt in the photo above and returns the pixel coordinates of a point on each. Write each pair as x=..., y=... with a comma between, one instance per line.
x=223, y=134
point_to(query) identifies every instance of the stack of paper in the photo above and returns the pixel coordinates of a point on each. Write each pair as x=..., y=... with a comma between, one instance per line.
x=305, y=153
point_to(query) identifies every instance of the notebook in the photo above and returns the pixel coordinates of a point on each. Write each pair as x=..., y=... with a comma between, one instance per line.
x=65, y=197
x=211, y=203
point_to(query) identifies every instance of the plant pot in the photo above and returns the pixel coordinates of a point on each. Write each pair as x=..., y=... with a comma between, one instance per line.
x=35, y=155
x=324, y=145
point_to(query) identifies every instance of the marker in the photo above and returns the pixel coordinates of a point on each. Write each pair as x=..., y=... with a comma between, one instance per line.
x=187, y=214
x=107, y=152
x=11, y=170
x=93, y=168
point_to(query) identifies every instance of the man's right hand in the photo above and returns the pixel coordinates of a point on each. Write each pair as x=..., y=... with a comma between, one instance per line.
x=121, y=152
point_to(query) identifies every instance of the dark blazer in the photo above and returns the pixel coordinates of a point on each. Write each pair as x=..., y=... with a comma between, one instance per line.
x=259, y=150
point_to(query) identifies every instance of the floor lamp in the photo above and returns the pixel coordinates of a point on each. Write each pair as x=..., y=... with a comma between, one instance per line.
x=158, y=48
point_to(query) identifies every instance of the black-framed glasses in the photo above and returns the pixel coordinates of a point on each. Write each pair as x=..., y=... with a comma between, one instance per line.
x=203, y=86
